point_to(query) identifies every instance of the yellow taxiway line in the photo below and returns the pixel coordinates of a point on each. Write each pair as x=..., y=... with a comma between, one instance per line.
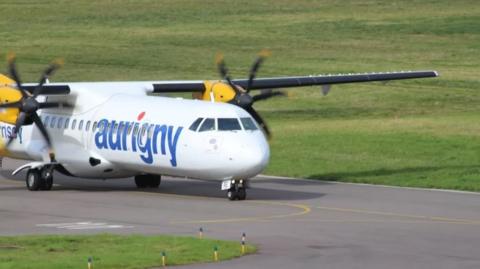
x=304, y=209
x=409, y=216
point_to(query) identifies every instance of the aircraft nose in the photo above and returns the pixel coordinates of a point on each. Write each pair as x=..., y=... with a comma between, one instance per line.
x=255, y=157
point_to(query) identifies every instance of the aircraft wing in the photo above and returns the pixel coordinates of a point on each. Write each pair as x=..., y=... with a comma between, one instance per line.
x=301, y=81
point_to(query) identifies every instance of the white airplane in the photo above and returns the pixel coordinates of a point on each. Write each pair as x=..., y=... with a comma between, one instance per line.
x=104, y=130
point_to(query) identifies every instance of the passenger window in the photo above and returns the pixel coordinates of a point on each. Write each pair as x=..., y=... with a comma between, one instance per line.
x=45, y=122
x=87, y=127
x=130, y=127
x=207, y=125
x=60, y=123
x=74, y=123
x=228, y=124
x=195, y=124
x=101, y=126
x=248, y=124
x=115, y=127
x=67, y=121
x=52, y=123
x=80, y=125
x=94, y=127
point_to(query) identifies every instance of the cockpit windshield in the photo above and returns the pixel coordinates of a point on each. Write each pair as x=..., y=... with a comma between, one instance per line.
x=223, y=124
x=195, y=124
x=228, y=124
x=207, y=125
x=248, y=124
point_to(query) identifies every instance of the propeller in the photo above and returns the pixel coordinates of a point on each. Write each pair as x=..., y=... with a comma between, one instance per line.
x=242, y=97
x=28, y=105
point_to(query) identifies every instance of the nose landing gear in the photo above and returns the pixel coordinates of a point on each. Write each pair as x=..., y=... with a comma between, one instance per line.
x=236, y=189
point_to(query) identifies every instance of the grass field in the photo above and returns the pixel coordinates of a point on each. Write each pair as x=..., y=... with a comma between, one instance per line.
x=110, y=251
x=409, y=133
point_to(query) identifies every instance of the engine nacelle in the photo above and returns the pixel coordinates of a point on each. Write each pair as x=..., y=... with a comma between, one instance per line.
x=8, y=95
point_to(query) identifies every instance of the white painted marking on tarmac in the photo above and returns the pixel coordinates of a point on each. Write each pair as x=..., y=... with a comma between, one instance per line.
x=87, y=225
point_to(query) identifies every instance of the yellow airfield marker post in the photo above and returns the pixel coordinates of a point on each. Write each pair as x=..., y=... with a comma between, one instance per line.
x=215, y=253
x=90, y=263
x=164, y=259
x=244, y=237
x=200, y=233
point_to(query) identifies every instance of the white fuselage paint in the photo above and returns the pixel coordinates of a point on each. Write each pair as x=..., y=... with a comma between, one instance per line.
x=169, y=149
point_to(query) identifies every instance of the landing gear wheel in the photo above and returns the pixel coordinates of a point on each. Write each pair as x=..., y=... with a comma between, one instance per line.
x=150, y=181
x=237, y=189
x=34, y=180
x=232, y=194
x=241, y=194
x=154, y=181
x=141, y=181
x=47, y=179
x=47, y=184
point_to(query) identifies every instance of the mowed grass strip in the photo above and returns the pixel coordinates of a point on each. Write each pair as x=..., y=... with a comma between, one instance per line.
x=408, y=133
x=110, y=251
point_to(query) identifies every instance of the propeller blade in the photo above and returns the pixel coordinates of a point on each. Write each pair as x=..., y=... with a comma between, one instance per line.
x=267, y=95
x=222, y=69
x=260, y=121
x=11, y=105
x=12, y=68
x=256, y=65
x=20, y=120
x=36, y=119
x=46, y=74
x=53, y=105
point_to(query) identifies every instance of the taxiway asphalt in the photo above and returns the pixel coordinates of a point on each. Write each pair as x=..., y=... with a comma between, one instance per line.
x=295, y=223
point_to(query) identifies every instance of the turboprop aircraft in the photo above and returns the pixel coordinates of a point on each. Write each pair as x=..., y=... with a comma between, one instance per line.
x=104, y=130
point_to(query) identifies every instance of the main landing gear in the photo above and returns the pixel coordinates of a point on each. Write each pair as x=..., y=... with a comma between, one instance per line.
x=40, y=179
x=236, y=189
x=147, y=181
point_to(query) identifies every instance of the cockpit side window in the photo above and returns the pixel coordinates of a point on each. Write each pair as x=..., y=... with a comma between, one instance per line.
x=248, y=124
x=195, y=124
x=207, y=125
x=228, y=124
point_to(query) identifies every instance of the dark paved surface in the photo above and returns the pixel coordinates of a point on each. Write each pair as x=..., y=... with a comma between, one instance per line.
x=295, y=223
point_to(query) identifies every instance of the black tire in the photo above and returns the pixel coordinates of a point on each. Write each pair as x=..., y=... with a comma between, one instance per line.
x=154, y=181
x=231, y=194
x=47, y=179
x=34, y=180
x=47, y=184
x=242, y=194
x=141, y=181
